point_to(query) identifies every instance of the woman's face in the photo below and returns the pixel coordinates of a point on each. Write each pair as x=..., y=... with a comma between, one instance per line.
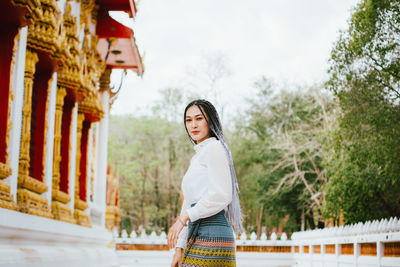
x=196, y=124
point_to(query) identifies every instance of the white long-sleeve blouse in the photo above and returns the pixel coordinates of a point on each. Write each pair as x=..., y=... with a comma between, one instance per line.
x=207, y=182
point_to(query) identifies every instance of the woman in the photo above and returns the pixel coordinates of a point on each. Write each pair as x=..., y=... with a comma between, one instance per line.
x=202, y=233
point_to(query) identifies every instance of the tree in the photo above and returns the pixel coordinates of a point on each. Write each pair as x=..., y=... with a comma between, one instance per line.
x=152, y=154
x=280, y=155
x=362, y=156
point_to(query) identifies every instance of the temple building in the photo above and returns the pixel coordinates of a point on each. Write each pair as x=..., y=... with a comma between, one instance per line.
x=58, y=197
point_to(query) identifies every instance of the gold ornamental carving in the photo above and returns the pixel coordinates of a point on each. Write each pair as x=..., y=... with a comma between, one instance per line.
x=93, y=66
x=5, y=170
x=29, y=189
x=94, y=14
x=61, y=93
x=43, y=34
x=113, y=212
x=71, y=74
x=81, y=117
x=80, y=206
x=30, y=68
x=62, y=212
x=82, y=218
x=33, y=6
x=60, y=196
x=109, y=217
x=113, y=217
x=105, y=80
x=33, y=203
x=58, y=206
x=6, y=199
x=86, y=9
x=36, y=186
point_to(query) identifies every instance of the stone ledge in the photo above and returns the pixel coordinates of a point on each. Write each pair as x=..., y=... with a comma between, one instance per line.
x=21, y=228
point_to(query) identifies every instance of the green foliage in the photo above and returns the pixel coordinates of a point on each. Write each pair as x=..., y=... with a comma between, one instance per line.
x=362, y=156
x=278, y=156
x=151, y=155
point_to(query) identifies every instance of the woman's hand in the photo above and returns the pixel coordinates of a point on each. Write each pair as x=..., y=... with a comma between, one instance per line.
x=177, y=259
x=175, y=229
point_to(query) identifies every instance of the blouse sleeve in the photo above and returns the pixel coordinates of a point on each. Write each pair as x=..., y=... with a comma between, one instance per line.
x=182, y=238
x=219, y=188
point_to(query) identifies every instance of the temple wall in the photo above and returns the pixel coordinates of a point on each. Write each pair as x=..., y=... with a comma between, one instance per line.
x=53, y=136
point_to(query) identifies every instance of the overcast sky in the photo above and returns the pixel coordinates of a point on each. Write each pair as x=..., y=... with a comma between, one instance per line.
x=288, y=41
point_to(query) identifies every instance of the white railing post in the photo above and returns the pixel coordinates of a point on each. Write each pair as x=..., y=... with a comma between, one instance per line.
x=356, y=253
x=379, y=252
x=337, y=253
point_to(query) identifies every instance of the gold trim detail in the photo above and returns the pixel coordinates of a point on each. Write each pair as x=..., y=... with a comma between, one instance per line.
x=36, y=186
x=80, y=204
x=30, y=68
x=6, y=199
x=62, y=212
x=5, y=171
x=82, y=218
x=61, y=93
x=78, y=154
x=29, y=189
x=32, y=5
x=71, y=74
x=43, y=33
x=93, y=66
x=32, y=203
x=113, y=212
x=60, y=196
x=113, y=217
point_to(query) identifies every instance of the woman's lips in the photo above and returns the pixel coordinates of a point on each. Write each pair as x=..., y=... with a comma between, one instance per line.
x=195, y=132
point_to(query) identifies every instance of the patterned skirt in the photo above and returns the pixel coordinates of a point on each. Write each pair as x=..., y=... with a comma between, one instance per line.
x=210, y=243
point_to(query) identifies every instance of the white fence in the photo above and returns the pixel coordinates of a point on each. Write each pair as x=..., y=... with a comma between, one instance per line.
x=375, y=243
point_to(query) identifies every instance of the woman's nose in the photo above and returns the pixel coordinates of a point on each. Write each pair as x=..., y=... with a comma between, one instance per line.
x=194, y=124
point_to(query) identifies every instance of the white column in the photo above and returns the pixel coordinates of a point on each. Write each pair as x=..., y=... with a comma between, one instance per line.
x=101, y=155
x=95, y=211
x=61, y=6
x=17, y=85
x=72, y=157
x=51, y=113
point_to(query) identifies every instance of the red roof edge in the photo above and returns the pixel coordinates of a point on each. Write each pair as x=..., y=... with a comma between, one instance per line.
x=107, y=27
x=133, y=8
x=139, y=70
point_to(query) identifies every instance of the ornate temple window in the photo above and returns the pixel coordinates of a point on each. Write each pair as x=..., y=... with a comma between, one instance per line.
x=31, y=163
x=42, y=59
x=8, y=41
